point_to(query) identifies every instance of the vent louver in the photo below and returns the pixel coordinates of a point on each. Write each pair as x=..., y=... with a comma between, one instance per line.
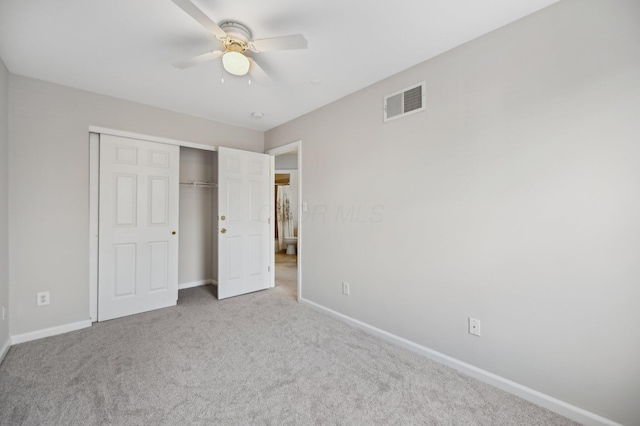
x=405, y=102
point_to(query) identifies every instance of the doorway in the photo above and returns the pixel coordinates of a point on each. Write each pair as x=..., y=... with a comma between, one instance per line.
x=286, y=229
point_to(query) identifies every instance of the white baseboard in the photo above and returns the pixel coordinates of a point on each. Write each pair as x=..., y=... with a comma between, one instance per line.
x=553, y=404
x=48, y=332
x=4, y=349
x=194, y=284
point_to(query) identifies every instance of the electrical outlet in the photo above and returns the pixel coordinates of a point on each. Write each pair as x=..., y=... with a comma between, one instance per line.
x=345, y=288
x=474, y=326
x=43, y=298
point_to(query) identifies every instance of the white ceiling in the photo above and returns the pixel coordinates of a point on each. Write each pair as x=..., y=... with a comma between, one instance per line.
x=124, y=48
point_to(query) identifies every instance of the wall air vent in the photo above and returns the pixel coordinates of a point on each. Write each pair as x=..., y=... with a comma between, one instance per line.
x=405, y=102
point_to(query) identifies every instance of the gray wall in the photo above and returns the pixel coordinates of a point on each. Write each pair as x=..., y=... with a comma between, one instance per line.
x=49, y=188
x=4, y=201
x=286, y=162
x=513, y=199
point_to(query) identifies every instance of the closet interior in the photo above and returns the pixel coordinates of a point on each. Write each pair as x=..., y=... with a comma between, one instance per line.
x=198, y=237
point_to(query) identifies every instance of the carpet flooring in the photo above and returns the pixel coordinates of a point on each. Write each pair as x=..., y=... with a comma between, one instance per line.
x=261, y=359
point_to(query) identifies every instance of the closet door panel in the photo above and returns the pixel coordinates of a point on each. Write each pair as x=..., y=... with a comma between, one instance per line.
x=126, y=199
x=158, y=200
x=158, y=261
x=138, y=247
x=124, y=270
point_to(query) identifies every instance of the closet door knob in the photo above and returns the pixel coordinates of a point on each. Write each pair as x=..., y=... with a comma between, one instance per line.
x=173, y=233
x=222, y=218
x=223, y=230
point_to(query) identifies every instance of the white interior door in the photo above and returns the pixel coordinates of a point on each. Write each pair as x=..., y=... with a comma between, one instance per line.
x=138, y=241
x=244, y=210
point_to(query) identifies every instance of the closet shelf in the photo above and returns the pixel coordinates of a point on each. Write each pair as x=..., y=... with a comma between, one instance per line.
x=196, y=183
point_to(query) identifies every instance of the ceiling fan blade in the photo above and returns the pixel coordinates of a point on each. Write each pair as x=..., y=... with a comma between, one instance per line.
x=290, y=42
x=198, y=59
x=257, y=73
x=193, y=11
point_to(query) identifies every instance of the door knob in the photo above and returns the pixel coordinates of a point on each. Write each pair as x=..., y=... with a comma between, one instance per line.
x=223, y=230
x=222, y=218
x=173, y=233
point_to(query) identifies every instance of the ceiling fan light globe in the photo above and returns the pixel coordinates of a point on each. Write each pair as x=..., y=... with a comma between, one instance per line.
x=235, y=63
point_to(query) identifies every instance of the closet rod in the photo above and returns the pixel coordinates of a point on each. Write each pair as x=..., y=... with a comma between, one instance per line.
x=196, y=183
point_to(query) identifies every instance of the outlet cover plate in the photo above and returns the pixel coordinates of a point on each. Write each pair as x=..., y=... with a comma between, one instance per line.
x=345, y=288
x=474, y=326
x=43, y=298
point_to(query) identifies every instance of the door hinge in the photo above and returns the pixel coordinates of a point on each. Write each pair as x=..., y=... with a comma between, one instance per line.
x=268, y=268
x=269, y=221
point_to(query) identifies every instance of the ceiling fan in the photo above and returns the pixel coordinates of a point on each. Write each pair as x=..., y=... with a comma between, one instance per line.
x=237, y=40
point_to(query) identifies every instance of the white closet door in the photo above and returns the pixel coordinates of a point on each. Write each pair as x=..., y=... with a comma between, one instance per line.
x=244, y=209
x=138, y=248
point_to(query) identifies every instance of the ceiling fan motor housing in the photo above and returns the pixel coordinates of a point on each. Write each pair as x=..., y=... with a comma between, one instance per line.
x=236, y=33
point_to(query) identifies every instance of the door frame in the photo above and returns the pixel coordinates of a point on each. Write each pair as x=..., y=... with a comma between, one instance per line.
x=293, y=146
x=94, y=190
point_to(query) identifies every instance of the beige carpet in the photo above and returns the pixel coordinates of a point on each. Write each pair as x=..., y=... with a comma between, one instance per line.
x=261, y=359
x=287, y=273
